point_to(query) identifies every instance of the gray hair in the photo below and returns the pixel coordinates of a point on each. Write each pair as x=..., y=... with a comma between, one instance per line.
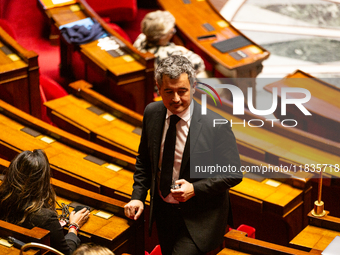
x=173, y=66
x=157, y=24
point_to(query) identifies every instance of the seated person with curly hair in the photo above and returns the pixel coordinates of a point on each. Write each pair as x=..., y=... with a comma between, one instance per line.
x=158, y=28
x=27, y=199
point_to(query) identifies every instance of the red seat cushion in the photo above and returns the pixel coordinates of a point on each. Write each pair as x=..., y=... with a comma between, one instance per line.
x=117, y=11
x=5, y=25
x=51, y=88
x=120, y=31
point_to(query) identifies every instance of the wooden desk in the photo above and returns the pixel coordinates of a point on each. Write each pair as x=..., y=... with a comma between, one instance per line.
x=114, y=127
x=324, y=105
x=314, y=238
x=111, y=175
x=318, y=234
x=237, y=242
x=275, y=209
x=19, y=75
x=14, y=251
x=127, y=79
x=24, y=234
x=118, y=233
x=191, y=18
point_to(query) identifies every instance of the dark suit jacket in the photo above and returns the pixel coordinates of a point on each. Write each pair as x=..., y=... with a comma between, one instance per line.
x=47, y=219
x=205, y=214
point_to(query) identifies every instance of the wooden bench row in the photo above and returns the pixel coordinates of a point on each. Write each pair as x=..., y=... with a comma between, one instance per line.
x=19, y=75
x=115, y=232
x=74, y=160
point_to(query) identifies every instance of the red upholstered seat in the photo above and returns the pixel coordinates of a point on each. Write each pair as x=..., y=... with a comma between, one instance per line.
x=49, y=90
x=5, y=25
x=116, y=10
x=120, y=31
x=155, y=251
x=248, y=229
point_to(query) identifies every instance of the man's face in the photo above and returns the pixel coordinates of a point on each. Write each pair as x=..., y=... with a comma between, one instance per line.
x=176, y=93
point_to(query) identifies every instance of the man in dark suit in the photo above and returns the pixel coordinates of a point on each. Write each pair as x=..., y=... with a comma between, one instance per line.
x=191, y=214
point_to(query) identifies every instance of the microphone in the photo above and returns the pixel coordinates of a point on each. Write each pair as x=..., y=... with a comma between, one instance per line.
x=16, y=243
x=319, y=205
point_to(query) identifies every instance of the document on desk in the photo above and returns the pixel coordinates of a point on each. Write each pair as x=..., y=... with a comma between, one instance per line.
x=60, y=1
x=47, y=4
x=333, y=248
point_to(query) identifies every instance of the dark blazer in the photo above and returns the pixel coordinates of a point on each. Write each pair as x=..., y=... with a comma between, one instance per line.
x=205, y=214
x=47, y=219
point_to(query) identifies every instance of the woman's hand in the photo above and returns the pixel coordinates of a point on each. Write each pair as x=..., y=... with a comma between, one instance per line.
x=79, y=217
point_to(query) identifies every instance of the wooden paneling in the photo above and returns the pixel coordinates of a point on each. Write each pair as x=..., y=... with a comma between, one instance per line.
x=19, y=75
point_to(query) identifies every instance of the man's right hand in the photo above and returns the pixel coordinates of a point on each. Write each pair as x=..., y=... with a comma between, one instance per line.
x=134, y=209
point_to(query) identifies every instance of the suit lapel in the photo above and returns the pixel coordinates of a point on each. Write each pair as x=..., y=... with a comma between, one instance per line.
x=157, y=130
x=194, y=131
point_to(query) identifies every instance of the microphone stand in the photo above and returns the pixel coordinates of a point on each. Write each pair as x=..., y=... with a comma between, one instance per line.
x=318, y=210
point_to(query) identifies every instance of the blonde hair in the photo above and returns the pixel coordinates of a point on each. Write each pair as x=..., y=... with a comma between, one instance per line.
x=157, y=24
x=92, y=249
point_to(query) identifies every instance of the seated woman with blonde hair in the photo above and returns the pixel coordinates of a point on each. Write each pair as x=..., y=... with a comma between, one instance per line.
x=158, y=28
x=27, y=199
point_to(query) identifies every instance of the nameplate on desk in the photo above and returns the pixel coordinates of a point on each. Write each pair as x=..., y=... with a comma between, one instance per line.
x=222, y=23
x=13, y=57
x=137, y=131
x=75, y=8
x=95, y=110
x=5, y=243
x=238, y=55
x=6, y=50
x=187, y=1
x=208, y=27
x=273, y=183
x=60, y=1
x=30, y=131
x=47, y=139
x=47, y=4
x=95, y=160
x=128, y=58
x=255, y=177
x=104, y=215
x=231, y=44
x=108, y=117
x=114, y=167
x=116, y=53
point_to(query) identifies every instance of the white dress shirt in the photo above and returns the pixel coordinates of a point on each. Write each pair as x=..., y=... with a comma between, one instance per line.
x=182, y=130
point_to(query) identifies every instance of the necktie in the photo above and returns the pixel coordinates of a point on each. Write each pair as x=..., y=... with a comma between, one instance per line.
x=168, y=156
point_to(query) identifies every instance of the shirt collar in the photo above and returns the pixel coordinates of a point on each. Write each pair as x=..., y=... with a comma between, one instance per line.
x=185, y=115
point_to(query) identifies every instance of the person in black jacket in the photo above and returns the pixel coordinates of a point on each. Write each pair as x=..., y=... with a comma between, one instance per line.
x=191, y=212
x=27, y=199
